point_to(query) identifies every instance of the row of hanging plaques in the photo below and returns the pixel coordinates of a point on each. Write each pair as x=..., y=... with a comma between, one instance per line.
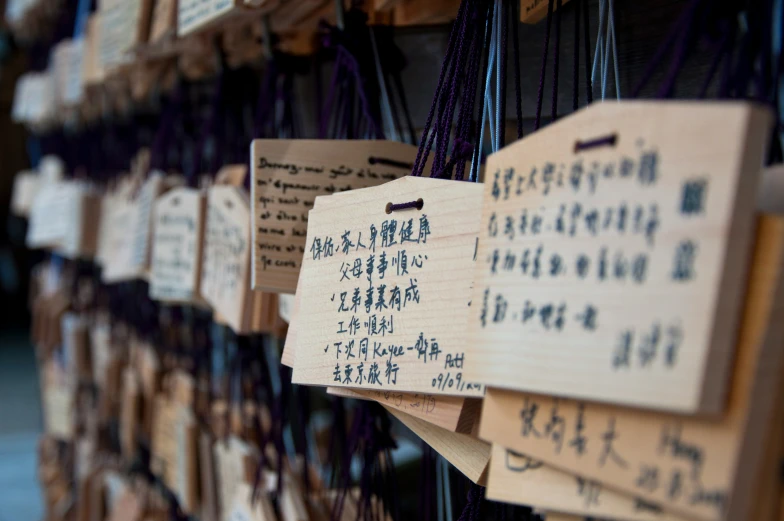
x=604, y=298
x=600, y=306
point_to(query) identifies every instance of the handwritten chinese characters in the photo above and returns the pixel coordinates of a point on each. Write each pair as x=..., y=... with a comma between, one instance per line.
x=613, y=269
x=693, y=466
x=385, y=295
x=288, y=175
x=177, y=245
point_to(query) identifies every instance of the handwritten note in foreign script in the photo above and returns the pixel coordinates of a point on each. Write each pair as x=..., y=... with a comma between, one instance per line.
x=697, y=467
x=613, y=255
x=177, y=245
x=385, y=296
x=288, y=175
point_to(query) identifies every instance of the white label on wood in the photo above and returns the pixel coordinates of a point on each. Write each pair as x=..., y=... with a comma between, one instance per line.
x=288, y=175
x=225, y=275
x=693, y=466
x=385, y=297
x=515, y=478
x=613, y=254
x=176, y=252
x=193, y=14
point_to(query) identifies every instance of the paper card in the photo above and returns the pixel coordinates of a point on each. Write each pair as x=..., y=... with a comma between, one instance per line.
x=193, y=15
x=288, y=175
x=225, y=276
x=692, y=466
x=468, y=454
x=453, y=413
x=386, y=296
x=164, y=20
x=518, y=479
x=613, y=255
x=177, y=246
x=26, y=186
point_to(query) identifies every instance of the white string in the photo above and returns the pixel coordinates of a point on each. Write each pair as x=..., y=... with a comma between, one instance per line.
x=616, y=71
x=598, y=54
x=447, y=490
x=487, y=105
x=498, y=102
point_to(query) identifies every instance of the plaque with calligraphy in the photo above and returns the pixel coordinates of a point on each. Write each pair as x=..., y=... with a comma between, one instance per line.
x=385, y=295
x=193, y=15
x=516, y=478
x=695, y=467
x=288, y=175
x=226, y=268
x=177, y=246
x=613, y=255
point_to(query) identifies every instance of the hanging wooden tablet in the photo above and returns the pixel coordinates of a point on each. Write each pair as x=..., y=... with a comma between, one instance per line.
x=130, y=409
x=194, y=15
x=143, y=203
x=613, y=255
x=288, y=175
x=92, y=71
x=691, y=466
x=233, y=458
x=533, y=11
x=453, y=413
x=164, y=21
x=58, y=402
x=514, y=478
x=26, y=186
x=386, y=294
x=225, y=275
x=207, y=474
x=125, y=24
x=68, y=59
x=81, y=221
x=49, y=215
x=243, y=507
x=468, y=454
x=177, y=246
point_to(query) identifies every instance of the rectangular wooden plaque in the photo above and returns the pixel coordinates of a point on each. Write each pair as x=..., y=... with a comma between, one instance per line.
x=287, y=177
x=385, y=296
x=612, y=258
x=695, y=467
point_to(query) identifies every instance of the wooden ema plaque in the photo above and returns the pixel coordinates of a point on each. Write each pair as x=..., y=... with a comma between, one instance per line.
x=177, y=246
x=452, y=413
x=613, y=255
x=534, y=11
x=288, y=175
x=468, y=454
x=518, y=479
x=193, y=15
x=386, y=295
x=695, y=467
x=226, y=267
